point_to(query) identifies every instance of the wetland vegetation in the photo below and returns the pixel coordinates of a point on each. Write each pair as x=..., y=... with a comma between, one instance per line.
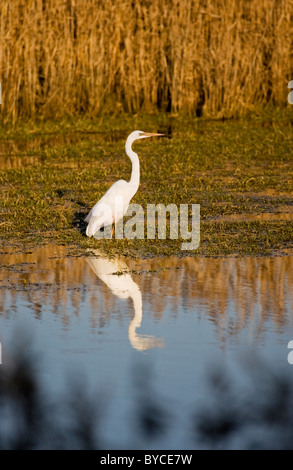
x=239, y=171
x=167, y=66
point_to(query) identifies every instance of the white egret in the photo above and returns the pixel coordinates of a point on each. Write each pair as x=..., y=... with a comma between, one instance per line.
x=115, y=274
x=114, y=204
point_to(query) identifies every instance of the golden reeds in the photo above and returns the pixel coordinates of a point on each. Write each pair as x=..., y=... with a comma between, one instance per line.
x=198, y=56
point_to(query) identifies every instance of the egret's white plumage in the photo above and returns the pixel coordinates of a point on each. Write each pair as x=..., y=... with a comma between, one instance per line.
x=114, y=204
x=115, y=274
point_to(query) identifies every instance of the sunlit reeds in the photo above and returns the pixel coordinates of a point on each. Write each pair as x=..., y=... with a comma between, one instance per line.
x=198, y=56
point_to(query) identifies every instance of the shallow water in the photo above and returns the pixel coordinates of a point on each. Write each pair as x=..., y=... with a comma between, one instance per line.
x=173, y=319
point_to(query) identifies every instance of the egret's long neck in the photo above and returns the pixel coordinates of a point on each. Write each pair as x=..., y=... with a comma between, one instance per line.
x=134, y=180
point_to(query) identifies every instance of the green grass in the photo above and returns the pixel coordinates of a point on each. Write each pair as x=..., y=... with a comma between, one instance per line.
x=52, y=173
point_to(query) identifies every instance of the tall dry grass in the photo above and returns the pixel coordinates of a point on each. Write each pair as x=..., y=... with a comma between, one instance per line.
x=198, y=56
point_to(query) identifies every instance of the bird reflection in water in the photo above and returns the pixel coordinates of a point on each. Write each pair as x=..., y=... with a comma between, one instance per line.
x=115, y=274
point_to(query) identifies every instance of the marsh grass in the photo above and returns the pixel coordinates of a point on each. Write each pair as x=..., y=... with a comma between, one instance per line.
x=230, y=168
x=68, y=57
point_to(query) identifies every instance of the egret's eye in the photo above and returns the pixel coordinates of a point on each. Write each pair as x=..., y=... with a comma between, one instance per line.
x=141, y=134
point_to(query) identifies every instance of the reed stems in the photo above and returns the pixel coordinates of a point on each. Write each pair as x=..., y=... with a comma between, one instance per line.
x=212, y=57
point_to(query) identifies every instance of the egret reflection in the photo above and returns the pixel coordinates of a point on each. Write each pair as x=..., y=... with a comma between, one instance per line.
x=115, y=274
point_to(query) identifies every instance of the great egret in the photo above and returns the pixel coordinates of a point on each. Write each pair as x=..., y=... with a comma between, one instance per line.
x=114, y=204
x=115, y=274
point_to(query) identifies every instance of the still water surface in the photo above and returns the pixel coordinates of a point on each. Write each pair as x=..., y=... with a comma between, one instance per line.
x=104, y=320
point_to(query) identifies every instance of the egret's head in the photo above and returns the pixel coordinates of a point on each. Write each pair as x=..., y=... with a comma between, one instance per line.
x=140, y=135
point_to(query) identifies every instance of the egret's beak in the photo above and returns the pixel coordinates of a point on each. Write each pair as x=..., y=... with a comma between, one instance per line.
x=149, y=134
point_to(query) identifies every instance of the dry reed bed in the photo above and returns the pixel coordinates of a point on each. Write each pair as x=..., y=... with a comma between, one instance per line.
x=198, y=56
